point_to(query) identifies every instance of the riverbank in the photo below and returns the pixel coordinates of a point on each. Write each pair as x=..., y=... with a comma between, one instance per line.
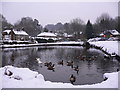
x=70, y=43
x=25, y=78
x=109, y=46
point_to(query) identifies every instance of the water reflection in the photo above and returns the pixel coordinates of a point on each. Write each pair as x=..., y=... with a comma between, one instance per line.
x=88, y=66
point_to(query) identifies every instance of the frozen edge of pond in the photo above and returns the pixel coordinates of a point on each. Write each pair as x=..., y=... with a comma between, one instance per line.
x=31, y=79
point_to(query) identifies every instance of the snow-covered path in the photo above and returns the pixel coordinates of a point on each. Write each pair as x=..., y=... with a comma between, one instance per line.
x=31, y=79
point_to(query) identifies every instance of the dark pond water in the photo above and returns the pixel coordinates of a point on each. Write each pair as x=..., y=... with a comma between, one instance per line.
x=91, y=68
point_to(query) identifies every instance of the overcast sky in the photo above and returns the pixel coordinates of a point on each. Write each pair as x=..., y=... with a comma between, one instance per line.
x=53, y=12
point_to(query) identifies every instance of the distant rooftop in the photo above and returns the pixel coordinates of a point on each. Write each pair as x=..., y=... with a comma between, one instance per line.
x=113, y=32
x=47, y=34
x=21, y=32
x=7, y=31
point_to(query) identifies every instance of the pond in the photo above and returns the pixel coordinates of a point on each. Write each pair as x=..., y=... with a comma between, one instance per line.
x=91, y=63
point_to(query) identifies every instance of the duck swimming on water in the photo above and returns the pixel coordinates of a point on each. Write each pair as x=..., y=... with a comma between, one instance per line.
x=76, y=69
x=51, y=67
x=72, y=78
x=70, y=63
x=47, y=63
x=60, y=62
x=38, y=60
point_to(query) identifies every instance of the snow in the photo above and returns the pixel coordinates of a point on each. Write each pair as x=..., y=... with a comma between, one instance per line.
x=101, y=34
x=40, y=44
x=8, y=31
x=31, y=79
x=114, y=32
x=69, y=42
x=47, y=38
x=20, y=32
x=94, y=39
x=47, y=34
x=110, y=46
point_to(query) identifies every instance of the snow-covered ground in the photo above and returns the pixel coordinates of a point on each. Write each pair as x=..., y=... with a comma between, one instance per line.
x=109, y=46
x=25, y=78
x=41, y=44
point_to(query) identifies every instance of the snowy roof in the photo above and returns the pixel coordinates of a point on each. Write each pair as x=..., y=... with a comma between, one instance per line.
x=20, y=32
x=101, y=34
x=7, y=31
x=70, y=35
x=114, y=32
x=47, y=34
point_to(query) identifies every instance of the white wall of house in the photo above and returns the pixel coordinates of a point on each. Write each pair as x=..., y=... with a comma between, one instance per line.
x=7, y=37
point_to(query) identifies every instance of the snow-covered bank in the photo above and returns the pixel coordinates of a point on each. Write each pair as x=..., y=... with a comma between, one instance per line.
x=109, y=46
x=41, y=44
x=25, y=78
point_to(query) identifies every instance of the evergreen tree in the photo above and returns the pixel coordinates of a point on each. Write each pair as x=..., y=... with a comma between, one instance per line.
x=89, y=30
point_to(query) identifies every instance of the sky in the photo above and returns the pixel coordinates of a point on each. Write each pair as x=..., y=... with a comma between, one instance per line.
x=54, y=12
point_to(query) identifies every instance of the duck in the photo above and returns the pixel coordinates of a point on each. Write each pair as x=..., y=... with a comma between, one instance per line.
x=51, y=67
x=47, y=63
x=70, y=63
x=105, y=78
x=113, y=54
x=38, y=60
x=82, y=58
x=72, y=78
x=76, y=69
x=60, y=62
x=8, y=72
x=117, y=70
x=107, y=57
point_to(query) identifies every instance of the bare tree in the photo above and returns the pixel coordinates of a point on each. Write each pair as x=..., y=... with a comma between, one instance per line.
x=32, y=27
x=103, y=22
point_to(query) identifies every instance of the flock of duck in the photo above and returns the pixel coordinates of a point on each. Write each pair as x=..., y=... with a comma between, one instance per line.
x=72, y=78
x=51, y=66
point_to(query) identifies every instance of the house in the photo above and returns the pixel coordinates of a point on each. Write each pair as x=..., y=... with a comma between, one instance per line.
x=110, y=33
x=6, y=35
x=15, y=35
x=45, y=37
